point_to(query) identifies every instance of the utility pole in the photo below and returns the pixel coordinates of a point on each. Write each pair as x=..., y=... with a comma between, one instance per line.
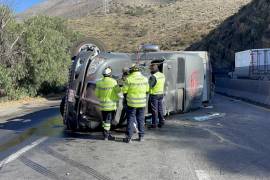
x=106, y=6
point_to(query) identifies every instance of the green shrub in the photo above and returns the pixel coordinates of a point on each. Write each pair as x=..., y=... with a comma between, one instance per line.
x=5, y=80
x=39, y=61
x=47, y=59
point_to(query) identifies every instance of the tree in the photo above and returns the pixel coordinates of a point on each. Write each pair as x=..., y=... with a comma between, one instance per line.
x=47, y=42
x=10, y=52
x=34, y=54
x=10, y=34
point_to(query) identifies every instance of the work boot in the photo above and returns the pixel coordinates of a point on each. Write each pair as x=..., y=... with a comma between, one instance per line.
x=161, y=123
x=128, y=140
x=152, y=126
x=141, y=139
x=111, y=137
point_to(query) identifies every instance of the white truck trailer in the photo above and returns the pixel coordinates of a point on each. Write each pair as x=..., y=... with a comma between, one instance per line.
x=252, y=64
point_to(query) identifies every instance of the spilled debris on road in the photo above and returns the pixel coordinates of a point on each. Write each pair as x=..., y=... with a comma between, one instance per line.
x=208, y=116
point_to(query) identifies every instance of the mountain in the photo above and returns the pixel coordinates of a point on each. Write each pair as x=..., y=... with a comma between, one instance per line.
x=80, y=8
x=248, y=29
x=63, y=8
x=174, y=25
x=221, y=27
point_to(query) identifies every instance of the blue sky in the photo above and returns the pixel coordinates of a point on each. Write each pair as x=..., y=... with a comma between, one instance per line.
x=20, y=5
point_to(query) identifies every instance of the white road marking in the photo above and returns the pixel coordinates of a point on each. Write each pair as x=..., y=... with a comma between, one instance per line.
x=202, y=175
x=17, y=154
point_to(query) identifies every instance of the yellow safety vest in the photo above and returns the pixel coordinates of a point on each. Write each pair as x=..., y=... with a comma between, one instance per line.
x=136, y=86
x=107, y=92
x=158, y=89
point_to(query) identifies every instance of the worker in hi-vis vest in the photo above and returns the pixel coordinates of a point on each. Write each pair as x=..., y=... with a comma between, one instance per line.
x=135, y=89
x=156, y=83
x=107, y=92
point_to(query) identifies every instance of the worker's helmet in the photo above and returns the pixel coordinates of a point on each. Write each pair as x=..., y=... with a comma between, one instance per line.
x=125, y=70
x=134, y=68
x=107, y=72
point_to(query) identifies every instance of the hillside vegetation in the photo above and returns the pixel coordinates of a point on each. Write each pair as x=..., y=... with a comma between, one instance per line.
x=248, y=29
x=82, y=8
x=34, y=56
x=221, y=27
x=173, y=24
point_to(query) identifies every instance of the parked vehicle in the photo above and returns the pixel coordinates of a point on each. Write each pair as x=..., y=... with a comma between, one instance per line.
x=252, y=64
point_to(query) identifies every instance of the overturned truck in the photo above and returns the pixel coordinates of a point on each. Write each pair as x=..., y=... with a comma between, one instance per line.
x=188, y=81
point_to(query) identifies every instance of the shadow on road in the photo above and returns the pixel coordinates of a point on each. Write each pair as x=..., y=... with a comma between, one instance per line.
x=30, y=120
x=46, y=122
x=238, y=143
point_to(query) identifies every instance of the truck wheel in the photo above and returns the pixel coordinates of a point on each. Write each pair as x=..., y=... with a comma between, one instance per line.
x=87, y=43
x=68, y=121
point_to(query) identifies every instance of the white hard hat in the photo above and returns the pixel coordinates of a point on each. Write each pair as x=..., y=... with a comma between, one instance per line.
x=134, y=68
x=107, y=71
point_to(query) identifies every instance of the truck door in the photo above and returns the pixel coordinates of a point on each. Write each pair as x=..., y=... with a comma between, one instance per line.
x=173, y=96
x=180, y=84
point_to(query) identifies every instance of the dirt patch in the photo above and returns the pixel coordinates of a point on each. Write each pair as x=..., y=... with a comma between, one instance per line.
x=23, y=101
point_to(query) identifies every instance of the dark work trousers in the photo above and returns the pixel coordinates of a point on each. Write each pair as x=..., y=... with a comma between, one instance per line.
x=107, y=117
x=157, y=109
x=135, y=115
x=124, y=111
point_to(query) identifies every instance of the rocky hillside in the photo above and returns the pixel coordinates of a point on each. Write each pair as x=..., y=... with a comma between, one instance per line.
x=219, y=26
x=174, y=25
x=248, y=29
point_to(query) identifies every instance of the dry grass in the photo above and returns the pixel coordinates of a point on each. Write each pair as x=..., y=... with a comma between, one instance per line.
x=23, y=101
x=174, y=25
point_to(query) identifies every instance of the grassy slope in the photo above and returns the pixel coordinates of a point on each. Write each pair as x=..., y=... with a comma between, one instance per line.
x=248, y=29
x=174, y=25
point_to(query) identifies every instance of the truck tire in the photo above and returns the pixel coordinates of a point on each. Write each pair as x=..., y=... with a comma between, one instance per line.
x=87, y=42
x=67, y=120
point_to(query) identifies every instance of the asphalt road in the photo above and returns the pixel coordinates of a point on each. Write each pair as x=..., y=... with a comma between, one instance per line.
x=233, y=144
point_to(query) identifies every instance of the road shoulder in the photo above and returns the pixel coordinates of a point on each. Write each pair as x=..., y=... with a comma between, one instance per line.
x=9, y=110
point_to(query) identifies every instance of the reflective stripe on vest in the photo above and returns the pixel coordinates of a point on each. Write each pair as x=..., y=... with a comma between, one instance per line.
x=158, y=89
x=106, y=126
x=106, y=92
x=136, y=101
